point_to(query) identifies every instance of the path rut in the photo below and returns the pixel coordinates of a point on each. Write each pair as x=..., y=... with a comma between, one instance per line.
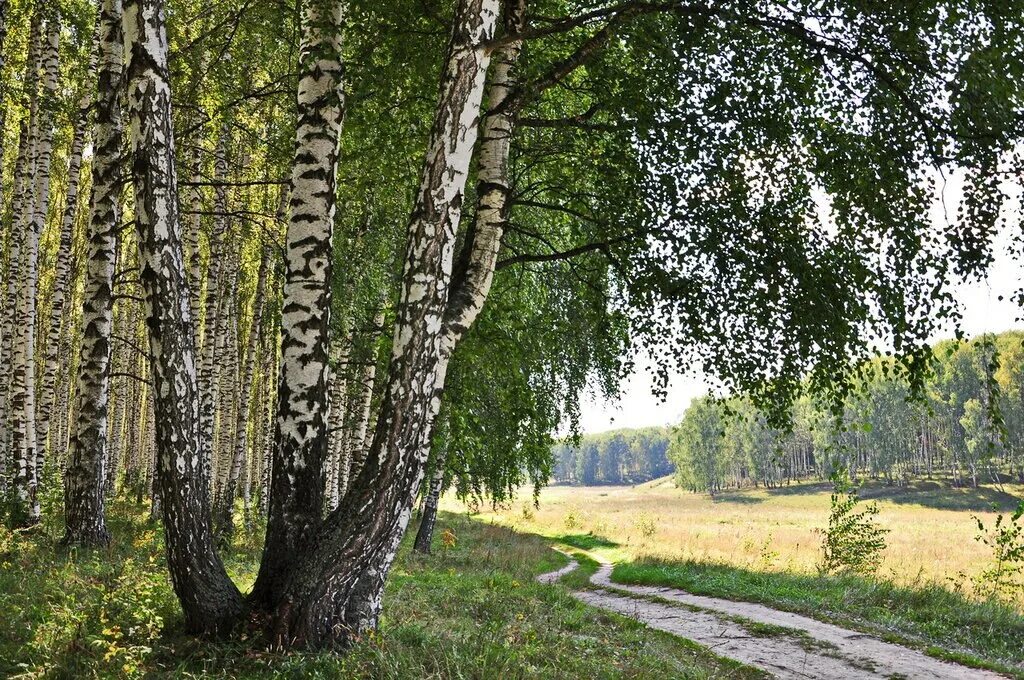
x=821, y=650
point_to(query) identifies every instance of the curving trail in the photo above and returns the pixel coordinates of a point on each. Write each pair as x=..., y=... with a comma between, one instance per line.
x=814, y=649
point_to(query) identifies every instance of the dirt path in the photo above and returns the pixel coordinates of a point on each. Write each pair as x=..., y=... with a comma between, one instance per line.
x=813, y=649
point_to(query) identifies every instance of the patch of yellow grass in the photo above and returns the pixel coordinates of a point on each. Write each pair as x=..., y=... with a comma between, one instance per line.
x=762, y=530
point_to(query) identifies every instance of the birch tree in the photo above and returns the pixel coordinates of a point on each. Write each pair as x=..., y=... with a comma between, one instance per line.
x=28, y=461
x=335, y=592
x=300, y=439
x=84, y=498
x=210, y=600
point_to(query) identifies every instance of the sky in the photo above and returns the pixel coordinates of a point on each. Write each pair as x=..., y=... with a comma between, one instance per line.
x=982, y=310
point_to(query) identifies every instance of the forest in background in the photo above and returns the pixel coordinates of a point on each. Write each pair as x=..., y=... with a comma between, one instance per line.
x=625, y=456
x=967, y=425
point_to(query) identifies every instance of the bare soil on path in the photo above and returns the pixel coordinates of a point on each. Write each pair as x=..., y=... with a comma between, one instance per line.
x=740, y=631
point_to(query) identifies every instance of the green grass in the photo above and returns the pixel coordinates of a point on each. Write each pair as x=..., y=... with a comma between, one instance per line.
x=472, y=611
x=943, y=623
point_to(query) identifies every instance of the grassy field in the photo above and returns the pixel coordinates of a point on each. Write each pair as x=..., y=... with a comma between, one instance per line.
x=471, y=611
x=763, y=546
x=931, y=538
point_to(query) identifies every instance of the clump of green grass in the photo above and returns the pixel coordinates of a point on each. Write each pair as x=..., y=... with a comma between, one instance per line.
x=473, y=610
x=985, y=634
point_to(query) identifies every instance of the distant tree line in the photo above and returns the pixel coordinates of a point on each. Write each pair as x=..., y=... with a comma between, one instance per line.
x=615, y=457
x=967, y=425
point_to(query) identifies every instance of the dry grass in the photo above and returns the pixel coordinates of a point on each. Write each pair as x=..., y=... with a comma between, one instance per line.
x=932, y=536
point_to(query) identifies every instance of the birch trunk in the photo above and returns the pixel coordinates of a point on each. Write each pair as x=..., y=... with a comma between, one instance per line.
x=357, y=445
x=425, y=533
x=228, y=367
x=337, y=479
x=60, y=281
x=84, y=504
x=210, y=601
x=475, y=273
x=23, y=403
x=335, y=592
x=225, y=524
x=300, y=441
x=208, y=383
x=8, y=321
x=4, y=25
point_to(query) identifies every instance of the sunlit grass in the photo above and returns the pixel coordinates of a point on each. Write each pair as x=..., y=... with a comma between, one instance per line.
x=764, y=546
x=931, y=539
x=472, y=610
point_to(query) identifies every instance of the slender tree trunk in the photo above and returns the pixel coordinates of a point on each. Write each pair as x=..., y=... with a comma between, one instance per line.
x=357, y=446
x=208, y=375
x=338, y=456
x=227, y=368
x=122, y=398
x=29, y=463
x=4, y=25
x=241, y=430
x=425, y=534
x=47, y=394
x=84, y=504
x=335, y=591
x=300, y=448
x=7, y=321
x=210, y=601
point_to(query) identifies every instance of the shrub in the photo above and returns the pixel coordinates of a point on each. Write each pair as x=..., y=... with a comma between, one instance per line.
x=853, y=542
x=1005, y=578
x=646, y=526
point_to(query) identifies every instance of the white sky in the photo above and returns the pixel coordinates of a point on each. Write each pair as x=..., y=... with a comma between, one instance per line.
x=982, y=312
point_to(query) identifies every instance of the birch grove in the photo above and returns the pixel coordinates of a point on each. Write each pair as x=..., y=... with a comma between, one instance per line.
x=276, y=275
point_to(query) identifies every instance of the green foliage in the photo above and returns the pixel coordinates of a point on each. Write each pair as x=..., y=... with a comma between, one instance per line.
x=792, y=191
x=1005, y=577
x=853, y=542
x=697, y=447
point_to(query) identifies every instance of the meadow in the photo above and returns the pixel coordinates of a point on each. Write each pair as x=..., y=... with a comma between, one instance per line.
x=931, y=538
x=764, y=546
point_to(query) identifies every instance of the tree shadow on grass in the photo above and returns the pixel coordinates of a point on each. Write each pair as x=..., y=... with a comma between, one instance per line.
x=587, y=541
x=737, y=497
x=938, y=494
x=943, y=496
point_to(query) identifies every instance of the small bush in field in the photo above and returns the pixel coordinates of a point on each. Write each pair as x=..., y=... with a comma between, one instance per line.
x=449, y=539
x=853, y=542
x=646, y=526
x=573, y=520
x=527, y=512
x=1005, y=578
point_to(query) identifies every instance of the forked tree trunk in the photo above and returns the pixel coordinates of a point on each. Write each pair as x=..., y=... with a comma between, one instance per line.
x=335, y=591
x=300, y=440
x=84, y=505
x=475, y=270
x=210, y=601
